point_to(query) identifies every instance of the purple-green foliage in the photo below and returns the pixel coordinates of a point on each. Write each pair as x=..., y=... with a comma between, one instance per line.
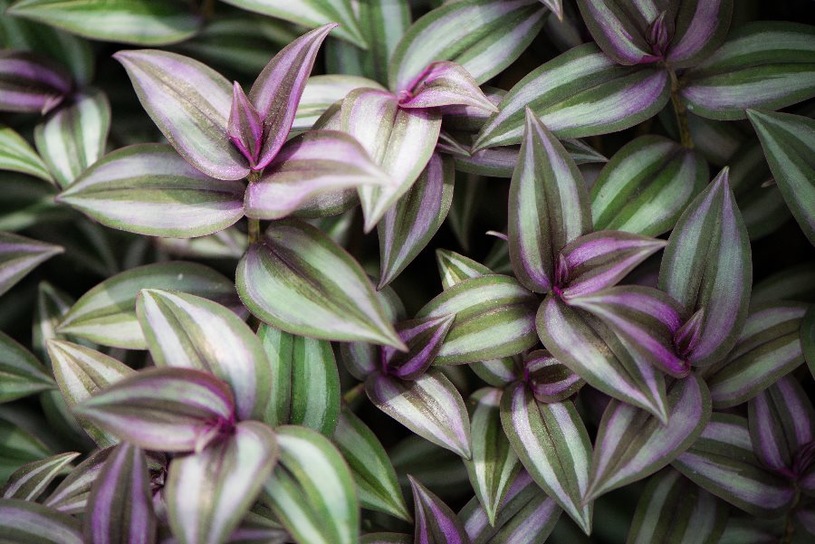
x=221, y=344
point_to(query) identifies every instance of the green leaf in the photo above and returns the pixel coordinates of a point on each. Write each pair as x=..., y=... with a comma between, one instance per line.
x=455, y=268
x=143, y=22
x=17, y=447
x=301, y=281
x=17, y=155
x=32, y=479
x=311, y=489
x=106, y=314
x=19, y=256
x=377, y=486
x=305, y=383
x=21, y=374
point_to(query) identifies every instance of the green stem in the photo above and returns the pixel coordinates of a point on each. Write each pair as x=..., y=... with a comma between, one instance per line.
x=681, y=113
x=353, y=394
x=254, y=224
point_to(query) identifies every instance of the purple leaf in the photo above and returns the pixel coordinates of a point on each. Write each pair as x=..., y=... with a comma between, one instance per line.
x=120, y=506
x=601, y=259
x=277, y=90
x=444, y=83
x=71, y=495
x=622, y=30
x=30, y=480
x=435, y=522
x=701, y=27
x=29, y=83
x=548, y=379
x=632, y=444
x=707, y=266
x=164, y=409
x=430, y=406
x=548, y=206
x=190, y=104
x=307, y=166
x=29, y=522
x=245, y=125
x=782, y=422
x=209, y=492
x=423, y=338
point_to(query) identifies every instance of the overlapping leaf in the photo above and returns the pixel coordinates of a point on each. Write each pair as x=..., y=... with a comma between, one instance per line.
x=21, y=374
x=435, y=521
x=24, y=521
x=71, y=495
x=30, y=83
x=17, y=155
x=323, y=91
x=32, y=479
x=19, y=256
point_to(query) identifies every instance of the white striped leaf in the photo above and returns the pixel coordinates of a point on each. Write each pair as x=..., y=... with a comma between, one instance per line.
x=455, y=268
x=107, y=313
x=495, y=317
x=782, y=423
x=401, y=141
x=190, y=104
x=646, y=186
x=209, y=492
x=632, y=444
x=549, y=380
x=722, y=462
x=164, y=409
x=30, y=523
x=701, y=26
x=494, y=464
x=311, y=14
x=16, y=155
x=553, y=445
x=673, y=510
x=430, y=406
x=526, y=516
x=384, y=23
x=548, y=206
x=623, y=30
x=19, y=256
x=322, y=91
x=789, y=144
x=142, y=22
x=302, y=282
x=762, y=65
x=305, y=383
x=580, y=93
x=707, y=266
x=593, y=351
x=74, y=136
x=149, y=189
x=186, y=331
x=311, y=490
x=120, y=505
x=80, y=372
x=768, y=348
x=435, y=521
x=21, y=374
x=377, y=486
x=482, y=36
x=409, y=226
x=424, y=339
x=71, y=495
x=32, y=479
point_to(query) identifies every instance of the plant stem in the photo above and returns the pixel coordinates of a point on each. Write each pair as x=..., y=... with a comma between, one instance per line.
x=254, y=224
x=789, y=529
x=681, y=113
x=353, y=394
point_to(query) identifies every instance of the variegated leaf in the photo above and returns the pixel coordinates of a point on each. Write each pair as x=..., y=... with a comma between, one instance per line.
x=494, y=318
x=707, y=267
x=322, y=91
x=21, y=374
x=430, y=406
x=71, y=495
x=142, y=22
x=674, y=510
x=186, y=331
x=374, y=475
x=435, y=521
x=32, y=479
x=209, y=492
x=768, y=348
x=29, y=522
x=190, y=104
x=549, y=380
x=164, y=409
x=16, y=155
x=444, y=84
x=424, y=339
x=455, y=268
x=482, y=36
x=646, y=185
x=74, y=136
x=632, y=444
x=580, y=93
x=494, y=464
x=19, y=256
x=19, y=447
x=301, y=281
x=764, y=64
x=311, y=490
x=30, y=83
x=789, y=144
x=548, y=206
x=149, y=189
x=701, y=26
x=554, y=446
x=626, y=31
x=107, y=313
x=410, y=225
x=722, y=462
x=384, y=23
x=305, y=383
x=120, y=505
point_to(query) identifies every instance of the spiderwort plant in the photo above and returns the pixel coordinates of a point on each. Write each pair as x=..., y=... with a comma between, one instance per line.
x=216, y=334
